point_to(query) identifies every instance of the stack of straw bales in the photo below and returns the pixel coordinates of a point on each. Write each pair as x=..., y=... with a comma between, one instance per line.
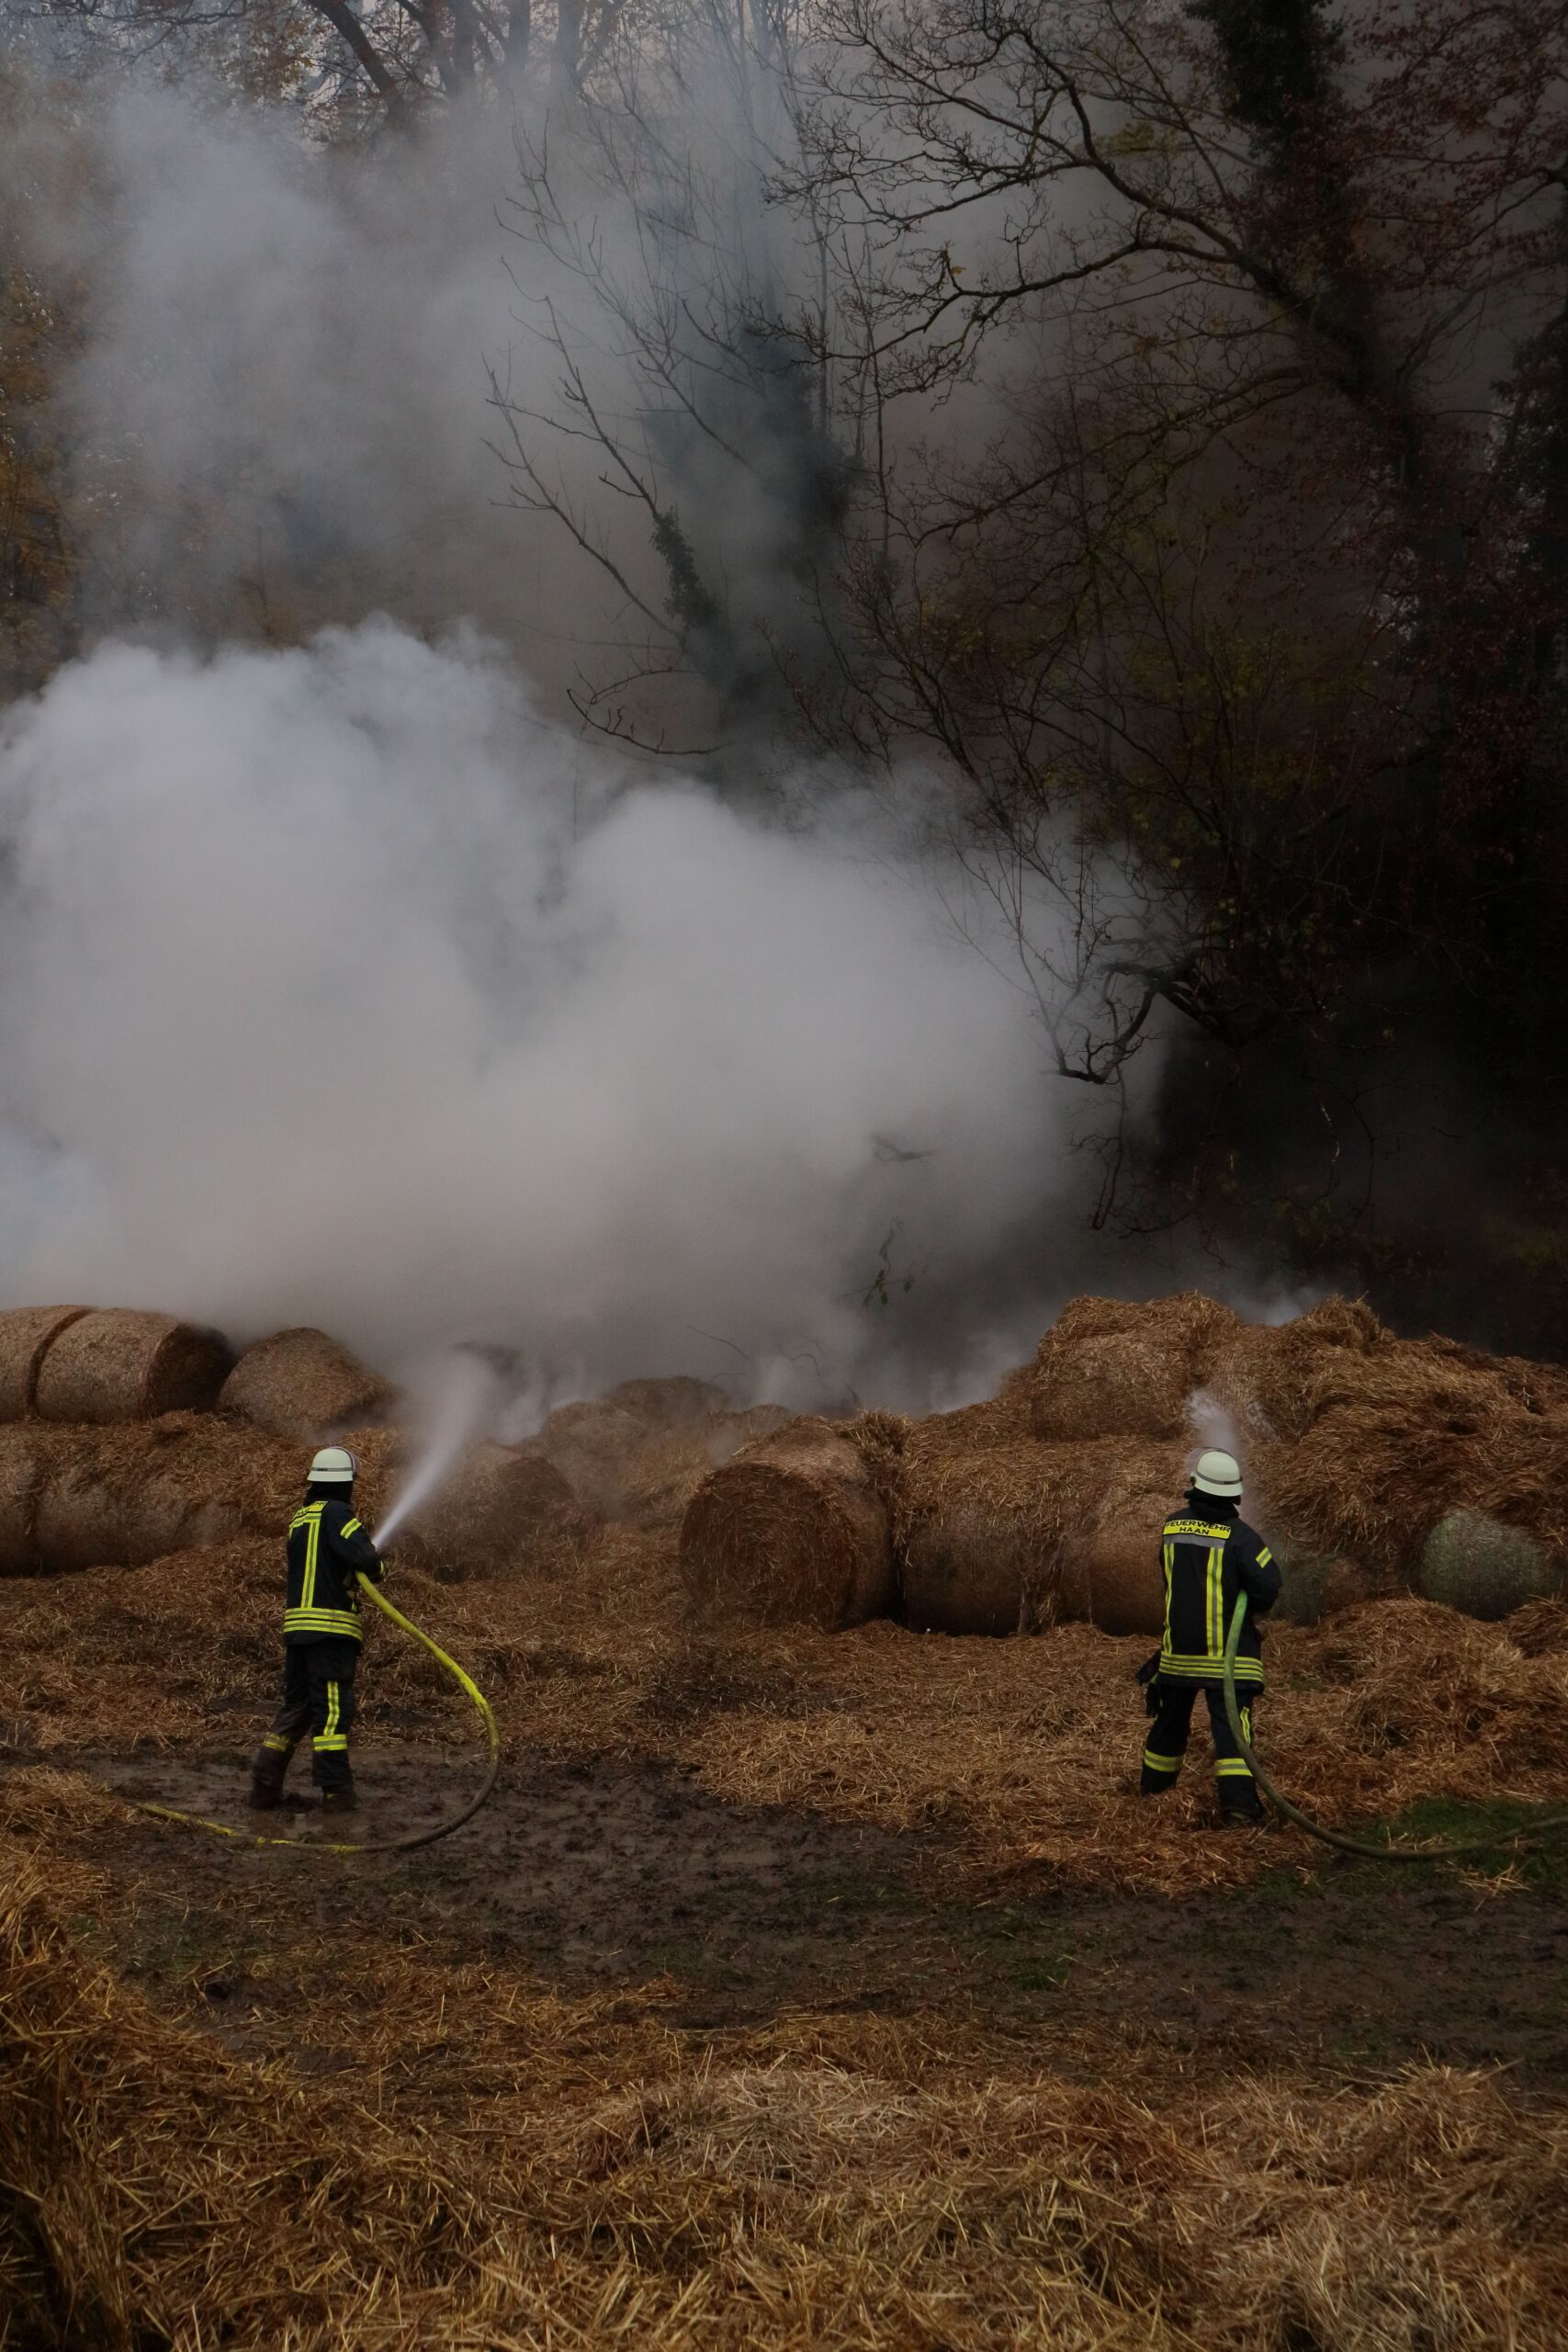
x=1360, y=1450
x=590, y=1444
x=793, y=1531
x=124, y=1496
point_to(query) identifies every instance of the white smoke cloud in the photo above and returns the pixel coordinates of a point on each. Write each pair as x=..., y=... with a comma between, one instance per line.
x=335, y=987
x=278, y=414
x=338, y=984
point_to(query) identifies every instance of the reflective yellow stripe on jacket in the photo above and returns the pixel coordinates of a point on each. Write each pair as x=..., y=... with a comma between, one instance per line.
x=1182, y=1666
x=308, y=1618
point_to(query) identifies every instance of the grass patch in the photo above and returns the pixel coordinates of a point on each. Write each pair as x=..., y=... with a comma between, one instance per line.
x=1454, y=1822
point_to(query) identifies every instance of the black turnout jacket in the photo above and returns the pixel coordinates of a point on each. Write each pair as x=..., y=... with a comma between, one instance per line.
x=326, y=1546
x=1210, y=1561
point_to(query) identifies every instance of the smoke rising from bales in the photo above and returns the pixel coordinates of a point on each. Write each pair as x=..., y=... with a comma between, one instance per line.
x=336, y=987
x=342, y=984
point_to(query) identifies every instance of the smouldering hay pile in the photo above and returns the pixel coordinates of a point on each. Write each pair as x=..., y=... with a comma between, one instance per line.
x=1363, y=1441
x=504, y=2167
x=1028, y=1752
x=1356, y=1443
x=72, y=1498
x=816, y=2182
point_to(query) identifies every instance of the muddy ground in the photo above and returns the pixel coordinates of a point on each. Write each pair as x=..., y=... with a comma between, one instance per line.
x=627, y=1874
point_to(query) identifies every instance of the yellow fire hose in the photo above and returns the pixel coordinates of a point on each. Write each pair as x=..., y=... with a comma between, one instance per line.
x=380, y=1845
x=1450, y=1850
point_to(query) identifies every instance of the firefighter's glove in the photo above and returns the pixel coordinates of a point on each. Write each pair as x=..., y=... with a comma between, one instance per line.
x=1148, y=1677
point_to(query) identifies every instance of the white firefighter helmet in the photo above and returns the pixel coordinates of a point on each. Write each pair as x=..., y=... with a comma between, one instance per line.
x=1218, y=1473
x=333, y=1466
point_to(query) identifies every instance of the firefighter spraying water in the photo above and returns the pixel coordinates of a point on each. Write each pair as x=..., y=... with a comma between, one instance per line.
x=331, y=1563
x=330, y=1556
x=329, y=1551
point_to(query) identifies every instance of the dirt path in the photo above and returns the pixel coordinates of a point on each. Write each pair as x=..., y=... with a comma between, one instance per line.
x=622, y=1872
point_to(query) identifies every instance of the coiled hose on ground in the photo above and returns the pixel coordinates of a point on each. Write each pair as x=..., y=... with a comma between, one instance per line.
x=378, y=1845
x=1447, y=1850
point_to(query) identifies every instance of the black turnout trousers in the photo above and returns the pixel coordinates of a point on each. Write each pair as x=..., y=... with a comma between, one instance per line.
x=317, y=1698
x=1168, y=1734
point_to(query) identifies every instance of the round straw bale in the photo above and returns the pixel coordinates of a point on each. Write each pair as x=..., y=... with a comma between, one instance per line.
x=1315, y=1584
x=1304, y=1581
x=1118, y=1497
x=1476, y=1564
x=505, y=1510
x=980, y=1534
x=25, y=1333
x=664, y=1470
x=642, y=1451
x=117, y=1364
x=18, y=1498
x=671, y=1404
x=299, y=1383
x=1273, y=1378
x=1114, y=1368
x=124, y=1496
x=1113, y=1577
x=87, y=1521
x=592, y=1444
x=791, y=1531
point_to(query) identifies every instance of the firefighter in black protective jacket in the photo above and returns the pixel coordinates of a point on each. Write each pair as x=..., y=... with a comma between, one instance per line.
x=1211, y=1558
x=327, y=1546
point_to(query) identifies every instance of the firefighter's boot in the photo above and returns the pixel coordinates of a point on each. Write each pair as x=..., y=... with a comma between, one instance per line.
x=267, y=1768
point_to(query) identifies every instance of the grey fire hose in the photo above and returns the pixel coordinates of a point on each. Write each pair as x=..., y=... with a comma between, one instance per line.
x=1448, y=1850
